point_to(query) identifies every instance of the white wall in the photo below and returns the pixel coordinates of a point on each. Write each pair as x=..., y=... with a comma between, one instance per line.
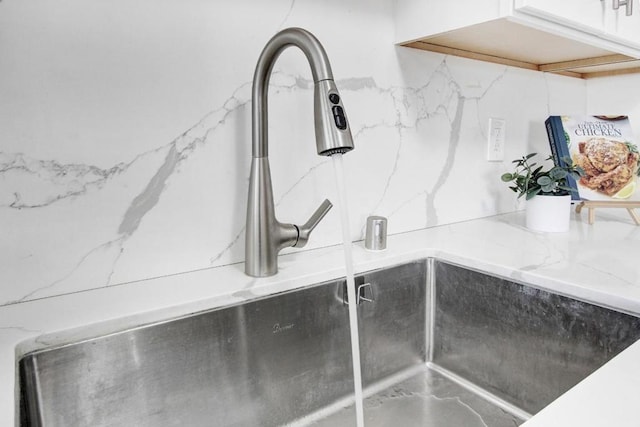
x=616, y=95
x=125, y=133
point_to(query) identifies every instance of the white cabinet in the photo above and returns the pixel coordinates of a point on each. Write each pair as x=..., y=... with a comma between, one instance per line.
x=585, y=15
x=581, y=38
x=595, y=17
x=622, y=27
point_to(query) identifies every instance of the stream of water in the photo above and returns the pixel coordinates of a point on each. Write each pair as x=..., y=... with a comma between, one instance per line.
x=351, y=290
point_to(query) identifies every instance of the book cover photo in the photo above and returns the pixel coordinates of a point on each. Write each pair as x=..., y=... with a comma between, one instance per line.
x=605, y=147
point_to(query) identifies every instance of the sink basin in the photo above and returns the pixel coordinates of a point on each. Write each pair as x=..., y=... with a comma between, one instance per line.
x=441, y=345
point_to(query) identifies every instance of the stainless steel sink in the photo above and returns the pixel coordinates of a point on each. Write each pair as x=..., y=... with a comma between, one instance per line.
x=441, y=345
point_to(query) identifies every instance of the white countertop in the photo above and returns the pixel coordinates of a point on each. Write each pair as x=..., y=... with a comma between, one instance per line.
x=597, y=263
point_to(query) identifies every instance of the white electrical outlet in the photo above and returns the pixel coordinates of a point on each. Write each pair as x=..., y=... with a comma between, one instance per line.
x=495, y=139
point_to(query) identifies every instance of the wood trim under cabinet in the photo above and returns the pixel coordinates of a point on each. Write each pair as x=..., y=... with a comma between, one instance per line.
x=565, y=68
x=470, y=55
x=635, y=70
x=588, y=62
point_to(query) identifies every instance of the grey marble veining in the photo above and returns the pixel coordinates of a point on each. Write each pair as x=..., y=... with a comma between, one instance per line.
x=59, y=181
x=148, y=198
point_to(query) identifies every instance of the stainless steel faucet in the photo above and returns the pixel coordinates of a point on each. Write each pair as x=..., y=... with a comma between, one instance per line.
x=265, y=235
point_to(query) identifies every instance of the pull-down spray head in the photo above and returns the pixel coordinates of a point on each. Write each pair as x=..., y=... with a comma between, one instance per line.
x=332, y=128
x=333, y=134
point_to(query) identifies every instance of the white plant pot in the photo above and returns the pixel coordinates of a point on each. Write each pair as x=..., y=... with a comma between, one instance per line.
x=548, y=213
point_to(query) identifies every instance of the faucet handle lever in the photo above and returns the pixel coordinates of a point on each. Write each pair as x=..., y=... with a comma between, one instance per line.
x=305, y=230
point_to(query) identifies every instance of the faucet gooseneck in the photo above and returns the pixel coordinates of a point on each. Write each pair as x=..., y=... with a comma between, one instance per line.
x=265, y=235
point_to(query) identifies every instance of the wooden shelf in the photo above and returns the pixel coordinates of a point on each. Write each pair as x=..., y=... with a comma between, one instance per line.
x=505, y=42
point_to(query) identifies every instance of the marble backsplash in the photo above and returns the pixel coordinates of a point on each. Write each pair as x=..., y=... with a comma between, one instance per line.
x=125, y=136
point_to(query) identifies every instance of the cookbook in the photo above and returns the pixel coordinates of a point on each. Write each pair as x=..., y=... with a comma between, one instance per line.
x=605, y=148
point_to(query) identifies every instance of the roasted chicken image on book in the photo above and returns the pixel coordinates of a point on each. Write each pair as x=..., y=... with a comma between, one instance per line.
x=608, y=165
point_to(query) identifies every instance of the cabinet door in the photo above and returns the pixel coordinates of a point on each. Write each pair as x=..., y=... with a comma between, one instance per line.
x=622, y=28
x=584, y=15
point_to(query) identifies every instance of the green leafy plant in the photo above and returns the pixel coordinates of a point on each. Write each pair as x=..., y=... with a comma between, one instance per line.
x=530, y=179
x=633, y=149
